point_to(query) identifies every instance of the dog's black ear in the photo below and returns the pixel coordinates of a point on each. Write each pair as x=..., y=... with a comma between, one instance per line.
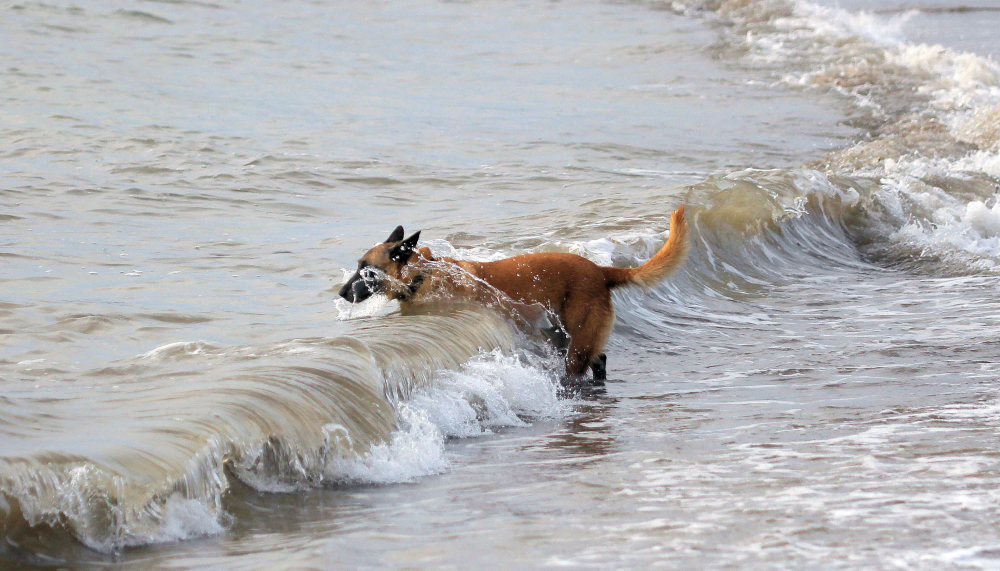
x=402, y=252
x=396, y=235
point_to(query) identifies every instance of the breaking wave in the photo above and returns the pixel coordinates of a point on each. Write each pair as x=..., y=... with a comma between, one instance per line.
x=374, y=406
x=925, y=170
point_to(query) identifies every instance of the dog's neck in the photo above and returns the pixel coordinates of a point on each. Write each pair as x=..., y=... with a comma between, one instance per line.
x=417, y=274
x=424, y=274
x=412, y=288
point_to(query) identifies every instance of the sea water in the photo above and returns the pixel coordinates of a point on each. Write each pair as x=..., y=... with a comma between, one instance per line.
x=184, y=185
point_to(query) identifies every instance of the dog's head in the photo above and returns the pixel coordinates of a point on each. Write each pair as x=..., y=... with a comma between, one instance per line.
x=380, y=270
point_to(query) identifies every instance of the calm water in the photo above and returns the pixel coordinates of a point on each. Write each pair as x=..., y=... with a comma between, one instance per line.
x=184, y=184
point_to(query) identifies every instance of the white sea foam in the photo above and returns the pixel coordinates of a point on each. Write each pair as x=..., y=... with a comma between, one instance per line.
x=815, y=30
x=185, y=518
x=984, y=162
x=628, y=245
x=374, y=305
x=837, y=23
x=935, y=221
x=416, y=450
x=180, y=349
x=958, y=81
x=492, y=391
x=474, y=254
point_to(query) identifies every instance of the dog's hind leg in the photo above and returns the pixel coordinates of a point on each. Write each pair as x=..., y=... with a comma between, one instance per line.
x=589, y=327
x=600, y=367
x=556, y=336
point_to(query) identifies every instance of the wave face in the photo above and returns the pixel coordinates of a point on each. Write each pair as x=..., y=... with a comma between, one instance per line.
x=165, y=435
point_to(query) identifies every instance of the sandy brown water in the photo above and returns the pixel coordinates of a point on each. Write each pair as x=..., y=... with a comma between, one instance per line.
x=183, y=186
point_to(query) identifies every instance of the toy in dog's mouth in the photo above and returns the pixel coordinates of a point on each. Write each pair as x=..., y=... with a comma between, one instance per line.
x=365, y=282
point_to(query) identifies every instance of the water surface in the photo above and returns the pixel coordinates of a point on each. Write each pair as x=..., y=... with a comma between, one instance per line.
x=183, y=186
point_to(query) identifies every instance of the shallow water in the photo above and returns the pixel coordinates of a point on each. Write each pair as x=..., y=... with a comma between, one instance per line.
x=184, y=185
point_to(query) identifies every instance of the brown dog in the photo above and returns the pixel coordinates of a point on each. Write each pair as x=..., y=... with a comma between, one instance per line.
x=572, y=288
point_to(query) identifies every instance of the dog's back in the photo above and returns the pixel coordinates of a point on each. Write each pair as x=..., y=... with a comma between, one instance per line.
x=552, y=278
x=547, y=278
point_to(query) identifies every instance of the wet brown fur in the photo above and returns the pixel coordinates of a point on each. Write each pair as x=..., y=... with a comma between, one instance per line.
x=572, y=287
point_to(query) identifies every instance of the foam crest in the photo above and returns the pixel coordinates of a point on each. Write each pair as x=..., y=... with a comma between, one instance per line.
x=187, y=518
x=982, y=129
x=444, y=248
x=958, y=228
x=180, y=350
x=416, y=449
x=777, y=32
x=621, y=247
x=492, y=391
x=838, y=24
x=957, y=80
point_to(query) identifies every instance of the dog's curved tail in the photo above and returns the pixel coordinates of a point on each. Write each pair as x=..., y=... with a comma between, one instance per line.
x=665, y=262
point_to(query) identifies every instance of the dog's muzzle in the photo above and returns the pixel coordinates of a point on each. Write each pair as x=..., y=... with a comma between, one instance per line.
x=365, y=283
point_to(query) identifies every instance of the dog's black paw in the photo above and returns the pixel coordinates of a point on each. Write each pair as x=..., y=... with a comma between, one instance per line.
x=600, y=369
x=579, y=387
